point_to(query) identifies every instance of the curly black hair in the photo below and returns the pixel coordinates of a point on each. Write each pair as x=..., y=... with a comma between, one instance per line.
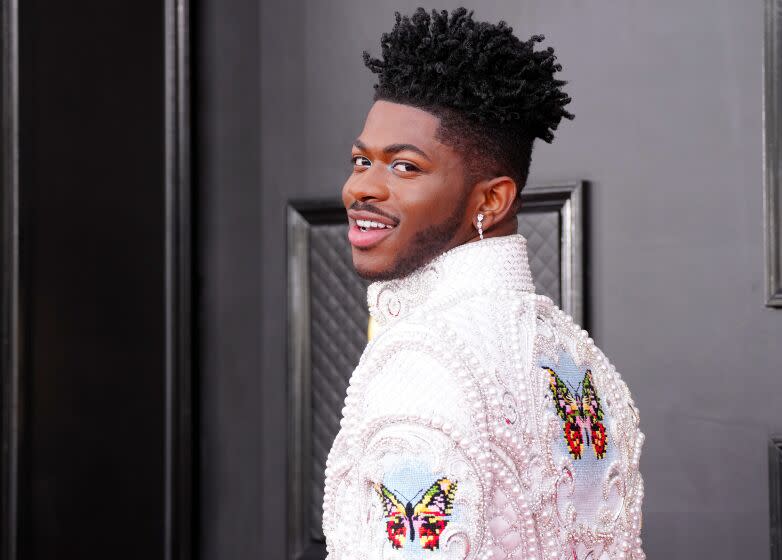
x=493, y=93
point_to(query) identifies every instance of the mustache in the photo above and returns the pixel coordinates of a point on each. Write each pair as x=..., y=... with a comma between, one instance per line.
x=369, y=207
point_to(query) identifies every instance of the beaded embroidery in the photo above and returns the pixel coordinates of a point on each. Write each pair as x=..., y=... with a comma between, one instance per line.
x=453, y=387
x=426, y=519
x=582, y=414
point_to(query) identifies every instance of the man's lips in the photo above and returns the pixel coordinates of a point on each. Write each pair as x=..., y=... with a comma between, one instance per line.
x=366, y=239
x=354, y=215
x=372, y=236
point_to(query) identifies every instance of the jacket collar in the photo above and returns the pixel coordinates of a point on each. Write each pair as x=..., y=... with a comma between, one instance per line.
x=490, y=265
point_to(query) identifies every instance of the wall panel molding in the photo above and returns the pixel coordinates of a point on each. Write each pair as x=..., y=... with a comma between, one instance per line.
x=775, y=495
x=772, y=151
x=10, y=329
x=328, y=317
x=179, y=480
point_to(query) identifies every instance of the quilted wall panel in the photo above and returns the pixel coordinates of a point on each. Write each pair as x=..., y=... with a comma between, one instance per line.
x=542, y=230
x=338, y=334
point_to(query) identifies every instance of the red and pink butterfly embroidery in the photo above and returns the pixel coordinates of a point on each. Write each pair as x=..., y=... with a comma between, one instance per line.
x=581, y=412
x=426, y=519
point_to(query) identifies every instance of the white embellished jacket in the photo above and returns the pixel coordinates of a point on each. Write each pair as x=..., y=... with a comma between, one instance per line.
x=481, y=422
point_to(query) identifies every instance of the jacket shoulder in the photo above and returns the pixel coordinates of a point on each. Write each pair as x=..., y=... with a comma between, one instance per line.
x=558, y=334
x=589, y=425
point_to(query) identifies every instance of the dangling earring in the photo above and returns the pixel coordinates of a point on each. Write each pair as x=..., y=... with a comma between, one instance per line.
x=480, y=225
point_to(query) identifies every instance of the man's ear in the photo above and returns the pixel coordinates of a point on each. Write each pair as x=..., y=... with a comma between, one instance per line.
x=495, y=198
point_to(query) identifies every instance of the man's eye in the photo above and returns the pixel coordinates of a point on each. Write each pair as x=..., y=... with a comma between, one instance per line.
x=405, y=167
x=360, y=161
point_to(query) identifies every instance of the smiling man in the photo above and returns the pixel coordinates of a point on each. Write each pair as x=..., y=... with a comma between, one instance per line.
x=481, y=422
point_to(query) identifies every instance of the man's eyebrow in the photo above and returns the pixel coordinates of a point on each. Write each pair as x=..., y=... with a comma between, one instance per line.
x=394, y=148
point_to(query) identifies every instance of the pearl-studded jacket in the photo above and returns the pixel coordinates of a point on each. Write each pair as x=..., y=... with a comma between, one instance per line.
x=481, y=422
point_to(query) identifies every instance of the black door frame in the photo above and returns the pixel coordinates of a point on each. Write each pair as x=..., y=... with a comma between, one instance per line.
x=179, y=479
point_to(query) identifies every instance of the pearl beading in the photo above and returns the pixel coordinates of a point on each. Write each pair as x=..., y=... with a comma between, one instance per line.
x=473, y=313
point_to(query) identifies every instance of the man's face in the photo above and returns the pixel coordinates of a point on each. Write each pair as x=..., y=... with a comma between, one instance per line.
x=407, y=180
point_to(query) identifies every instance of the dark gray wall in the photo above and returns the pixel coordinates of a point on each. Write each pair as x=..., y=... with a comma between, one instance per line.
x=668, y=99
x=227, y=180
x=249, y=144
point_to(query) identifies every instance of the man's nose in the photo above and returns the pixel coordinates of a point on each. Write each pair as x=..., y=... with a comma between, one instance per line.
x=369, y=185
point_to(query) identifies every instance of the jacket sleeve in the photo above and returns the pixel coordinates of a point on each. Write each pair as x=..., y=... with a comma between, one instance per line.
x=401, y=474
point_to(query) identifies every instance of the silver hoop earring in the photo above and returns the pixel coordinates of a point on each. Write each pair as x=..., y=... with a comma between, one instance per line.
x=480, y=225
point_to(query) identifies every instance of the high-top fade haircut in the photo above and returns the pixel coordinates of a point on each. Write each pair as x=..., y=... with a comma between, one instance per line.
x=493, y=93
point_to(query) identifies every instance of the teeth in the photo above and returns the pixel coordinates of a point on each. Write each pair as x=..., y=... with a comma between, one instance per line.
x=367, y=224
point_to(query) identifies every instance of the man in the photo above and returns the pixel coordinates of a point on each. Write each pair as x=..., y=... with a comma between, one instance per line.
x=480, y=421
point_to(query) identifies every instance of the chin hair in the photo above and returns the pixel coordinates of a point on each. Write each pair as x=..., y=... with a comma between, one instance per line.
x=374, y=275
x=427, y=244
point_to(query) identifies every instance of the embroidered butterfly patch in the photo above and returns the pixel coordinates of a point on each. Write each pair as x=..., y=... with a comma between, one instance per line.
x=426, y=519
x=581, y=411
